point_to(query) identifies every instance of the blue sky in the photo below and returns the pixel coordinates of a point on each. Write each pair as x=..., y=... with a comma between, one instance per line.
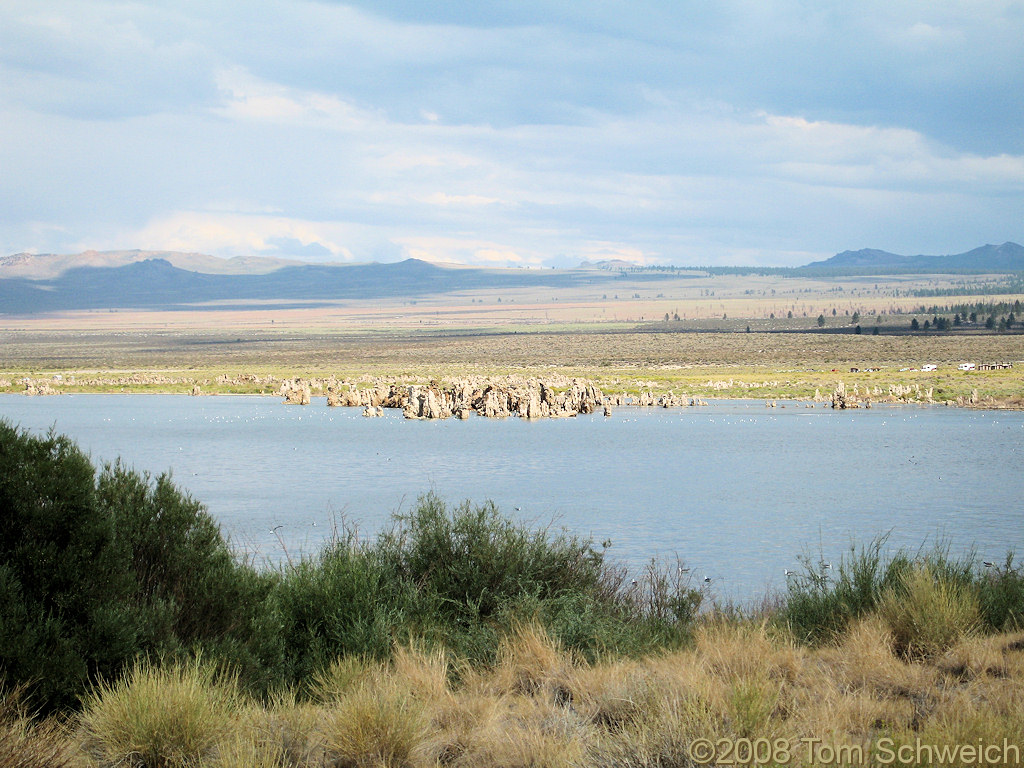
x=515, y=133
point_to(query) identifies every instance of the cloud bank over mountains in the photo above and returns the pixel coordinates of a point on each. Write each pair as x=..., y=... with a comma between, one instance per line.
x=508, y=134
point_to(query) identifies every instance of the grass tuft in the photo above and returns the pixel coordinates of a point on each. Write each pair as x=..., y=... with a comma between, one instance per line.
x=159, y=717
x=376, y=725
x=26, y=744
x=928, y=613
x=342, y=676
x=529, y=660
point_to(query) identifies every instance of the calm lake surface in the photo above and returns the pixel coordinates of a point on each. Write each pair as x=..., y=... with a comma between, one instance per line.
x=737, y=490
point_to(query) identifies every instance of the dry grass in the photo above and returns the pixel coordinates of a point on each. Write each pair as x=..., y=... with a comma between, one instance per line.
x=540, y=706
x=26, y=744
x=169, y=717
x=927, y=615
x=323, y=351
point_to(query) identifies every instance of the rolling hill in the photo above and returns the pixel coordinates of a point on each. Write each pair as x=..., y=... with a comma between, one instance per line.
x=156, y=283
x=31, y=283
x=1008, y=257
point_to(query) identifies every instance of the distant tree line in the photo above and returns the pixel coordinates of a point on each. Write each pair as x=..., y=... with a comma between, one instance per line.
x=992, y=323
x=977, y=309
x=1013, y=284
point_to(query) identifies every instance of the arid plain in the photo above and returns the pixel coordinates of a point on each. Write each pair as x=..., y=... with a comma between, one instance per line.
x=690, y=333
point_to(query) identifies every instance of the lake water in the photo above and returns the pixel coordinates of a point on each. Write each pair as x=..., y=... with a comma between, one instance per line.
x=737, y=490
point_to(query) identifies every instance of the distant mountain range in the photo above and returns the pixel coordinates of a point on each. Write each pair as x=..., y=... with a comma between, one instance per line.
x=157, y=283
x=50, y=265
x=1008, y=257
x=31, y=283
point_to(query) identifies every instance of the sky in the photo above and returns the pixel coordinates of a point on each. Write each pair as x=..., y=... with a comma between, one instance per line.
x=529, y=133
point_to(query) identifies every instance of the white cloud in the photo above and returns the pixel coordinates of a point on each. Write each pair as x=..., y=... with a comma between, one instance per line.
x=444, y=199
x=246, y=97
x=459, y=250
x=234, y=234
x=540, y=136
x=617, y=251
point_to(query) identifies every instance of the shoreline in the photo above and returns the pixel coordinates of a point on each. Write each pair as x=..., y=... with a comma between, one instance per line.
x=319, y=400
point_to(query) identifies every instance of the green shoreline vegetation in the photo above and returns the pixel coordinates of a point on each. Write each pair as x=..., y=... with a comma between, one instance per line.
x=131, y=635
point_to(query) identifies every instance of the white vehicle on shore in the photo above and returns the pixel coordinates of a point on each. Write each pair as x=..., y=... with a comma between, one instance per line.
x=929, y=367
x=967, y=366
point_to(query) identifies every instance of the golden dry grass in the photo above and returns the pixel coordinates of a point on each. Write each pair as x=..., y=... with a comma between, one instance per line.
x=28, y=744
x=170, y=717
x=743, y=684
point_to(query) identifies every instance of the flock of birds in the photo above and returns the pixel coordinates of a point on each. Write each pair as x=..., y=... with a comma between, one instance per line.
x=825, y=566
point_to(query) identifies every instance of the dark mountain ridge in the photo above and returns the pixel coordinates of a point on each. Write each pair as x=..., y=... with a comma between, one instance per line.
x=1008, y=257
x=127, y=279
x=156, y=283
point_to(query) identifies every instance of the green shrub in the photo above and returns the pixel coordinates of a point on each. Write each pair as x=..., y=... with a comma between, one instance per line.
x=478, y=572
x=458, y=577
x=97, y=570
x=821, y=601
x=1001, y=596
x=341, y=602
x=187, y=589
x=63, y=617
x=476, y=560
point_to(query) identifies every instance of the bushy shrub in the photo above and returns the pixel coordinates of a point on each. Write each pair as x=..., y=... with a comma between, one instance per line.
x=63, y=617
x=183, y=573
x=95, y=570
x=341, y=602
x=458, y=577
x=186, y=587
x=822, y=601
x=1001, y=596
x=476, y=560
x=478, y=572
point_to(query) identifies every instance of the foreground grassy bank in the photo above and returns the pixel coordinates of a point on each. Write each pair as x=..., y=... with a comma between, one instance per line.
x=459, y=637
x=742, y=693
